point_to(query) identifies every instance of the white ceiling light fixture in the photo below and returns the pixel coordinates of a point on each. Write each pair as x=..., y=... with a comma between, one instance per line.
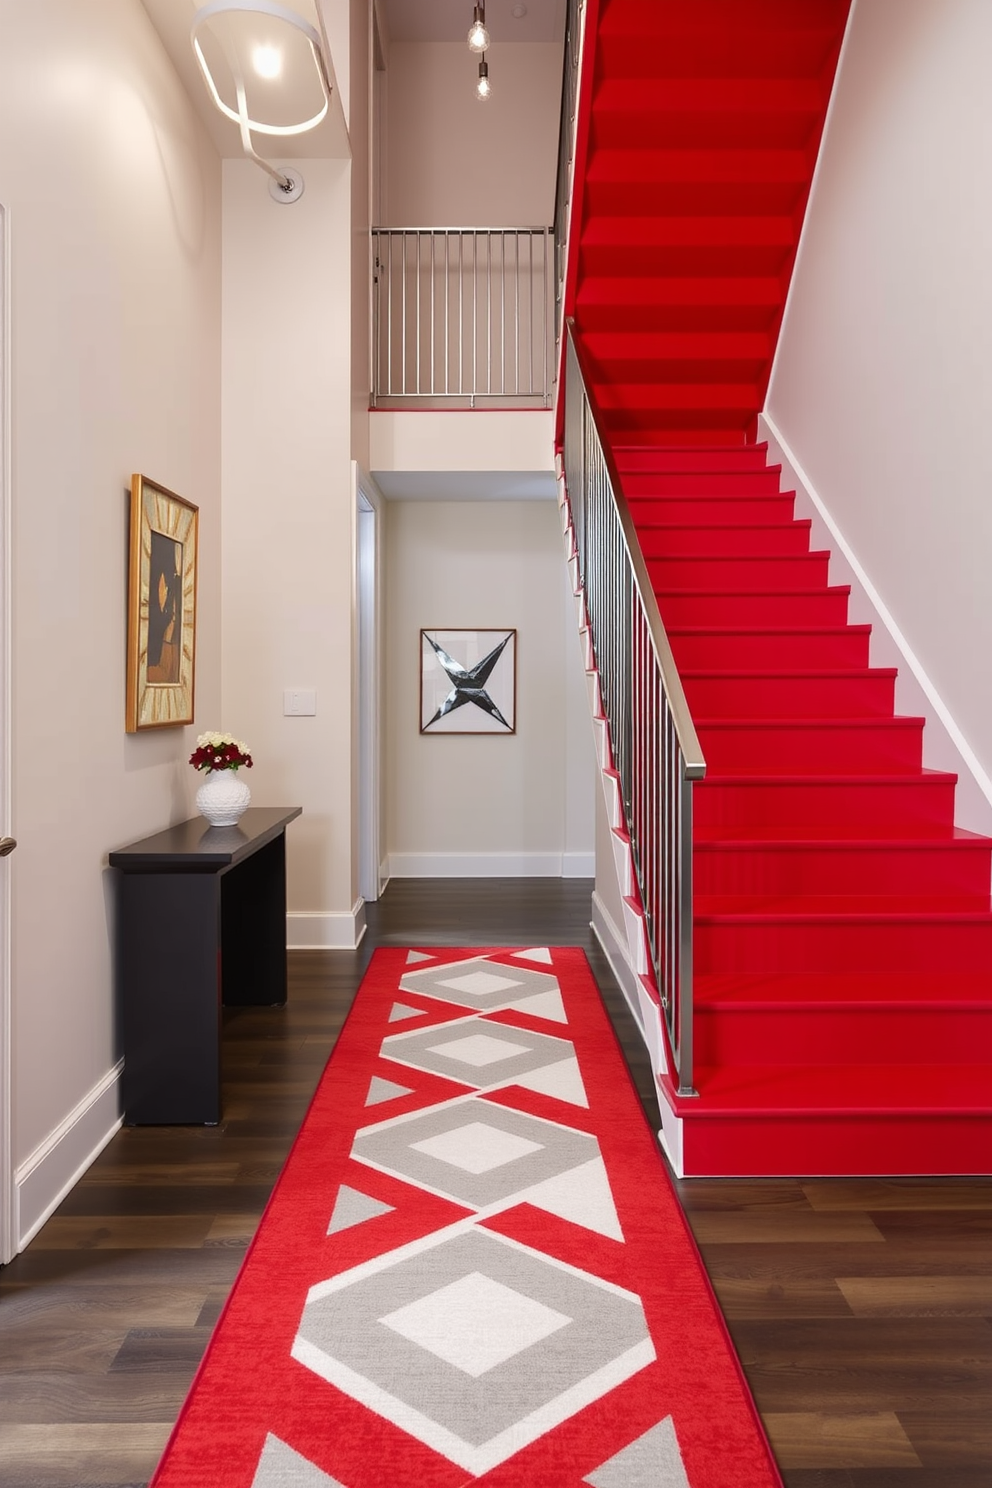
x=478, y=36
x=244, y=48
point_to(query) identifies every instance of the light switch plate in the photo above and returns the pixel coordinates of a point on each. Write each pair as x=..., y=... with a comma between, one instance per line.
x=299, y=702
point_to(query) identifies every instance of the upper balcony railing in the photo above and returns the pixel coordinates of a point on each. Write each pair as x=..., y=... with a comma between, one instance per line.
x=463, y=317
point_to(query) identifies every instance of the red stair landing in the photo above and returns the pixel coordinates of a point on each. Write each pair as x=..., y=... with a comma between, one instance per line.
x=843, y=926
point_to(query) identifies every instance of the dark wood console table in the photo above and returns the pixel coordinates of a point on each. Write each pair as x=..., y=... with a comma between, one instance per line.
x=201, y=921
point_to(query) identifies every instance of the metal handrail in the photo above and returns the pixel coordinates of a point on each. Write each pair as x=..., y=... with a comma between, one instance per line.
x=462, y=315
x=574, y=16
x=656, y=751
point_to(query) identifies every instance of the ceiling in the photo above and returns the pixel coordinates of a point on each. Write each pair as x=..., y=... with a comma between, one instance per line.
x=449, y=20
x=400, y=20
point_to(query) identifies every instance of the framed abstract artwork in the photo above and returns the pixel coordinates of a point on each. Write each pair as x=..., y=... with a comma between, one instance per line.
x=468, y=681
x=161, y=608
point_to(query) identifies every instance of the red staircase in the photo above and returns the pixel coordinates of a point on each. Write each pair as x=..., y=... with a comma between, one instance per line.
x=843, y=926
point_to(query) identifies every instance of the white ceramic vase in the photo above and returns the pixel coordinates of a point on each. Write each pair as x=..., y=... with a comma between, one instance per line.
x=223, y=798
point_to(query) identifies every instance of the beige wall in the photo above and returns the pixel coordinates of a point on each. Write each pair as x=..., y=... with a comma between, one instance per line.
x=113, y=201
x=289, y=520
x=497, y=804
x=883, y=383
x=452, y=161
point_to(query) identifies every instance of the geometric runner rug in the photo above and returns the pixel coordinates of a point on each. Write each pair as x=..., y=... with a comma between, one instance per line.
x=473, y=1268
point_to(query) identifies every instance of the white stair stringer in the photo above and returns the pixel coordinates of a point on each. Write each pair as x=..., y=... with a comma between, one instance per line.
x=631, y=941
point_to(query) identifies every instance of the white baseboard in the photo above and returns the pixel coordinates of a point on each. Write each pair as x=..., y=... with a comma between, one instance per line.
x=944, y=745
x=325, y=930
x=488, y=865
x=44, y=1178
x=578, y=865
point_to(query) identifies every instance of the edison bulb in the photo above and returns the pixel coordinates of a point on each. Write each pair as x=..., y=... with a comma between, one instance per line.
x=478, y=36
x=483, y=87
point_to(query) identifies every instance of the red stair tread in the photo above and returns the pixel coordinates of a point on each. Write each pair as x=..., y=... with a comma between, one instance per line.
x=850, y=990
x=843, y=906
x=860, y=1090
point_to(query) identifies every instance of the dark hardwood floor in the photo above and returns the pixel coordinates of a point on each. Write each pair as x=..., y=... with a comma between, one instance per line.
x=862, y=1310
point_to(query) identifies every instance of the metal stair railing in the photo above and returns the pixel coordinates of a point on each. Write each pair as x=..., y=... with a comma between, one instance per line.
x=462, y=317
x=656, y=752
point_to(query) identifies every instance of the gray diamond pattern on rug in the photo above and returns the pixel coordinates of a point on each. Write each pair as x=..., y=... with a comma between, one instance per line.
x=280, y=1467
x=396, y=1335
x=476, y=1052
x=474, y=1151
x=480, y=983
x=652, y=1461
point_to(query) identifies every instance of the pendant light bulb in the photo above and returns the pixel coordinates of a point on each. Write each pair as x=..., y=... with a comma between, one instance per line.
x=483, y=87
x=478, y=36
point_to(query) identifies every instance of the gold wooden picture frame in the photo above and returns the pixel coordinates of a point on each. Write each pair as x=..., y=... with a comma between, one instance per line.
x=161, y=608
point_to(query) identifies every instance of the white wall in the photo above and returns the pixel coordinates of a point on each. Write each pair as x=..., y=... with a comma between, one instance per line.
x=882, y=388
x=452, y=161
x=113, y=200
x=478, y=805
x=289, y=522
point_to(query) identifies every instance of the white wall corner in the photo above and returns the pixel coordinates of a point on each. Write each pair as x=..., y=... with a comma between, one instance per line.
x=325, y=930
x=944, y=745
x=44, y=1178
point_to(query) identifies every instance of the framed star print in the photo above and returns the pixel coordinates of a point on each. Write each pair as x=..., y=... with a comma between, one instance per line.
x=468, y=681
x=161, y=608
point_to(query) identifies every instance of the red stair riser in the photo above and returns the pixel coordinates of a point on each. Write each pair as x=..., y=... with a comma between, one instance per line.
x=666, y=541
x=845, y=807
x=948, y=867
x=834, y=945
x=727, y=485
x=808, y=1145
x=887, y=746
x=823, y=695
x=881, y=1035
x=709, y=511
x=707, y=461
x=759, y=575
x=786, y=611
x=774, y=651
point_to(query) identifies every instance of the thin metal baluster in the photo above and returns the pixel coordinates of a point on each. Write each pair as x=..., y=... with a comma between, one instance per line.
x=544, y=326
x=461, y=313
x=516, y=314
x=403, y=240
x=430, y=302
x=418, y=312
x=502, y=312
x=489, y=311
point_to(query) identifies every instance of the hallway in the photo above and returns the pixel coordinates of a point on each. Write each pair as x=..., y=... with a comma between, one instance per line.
x=862, y=1310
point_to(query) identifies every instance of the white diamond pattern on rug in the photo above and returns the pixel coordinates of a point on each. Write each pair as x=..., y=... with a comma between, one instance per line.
x=536, y=953
x=479, y=983
x=545, y=1005
x=563, y=1081
x=475, y=1420
x=400, y=1147
x=280, y=1467
x=477, y=1147
x=476, y=1051
x=412, y=957
x=479, y=1050
x=652, y=1461
x=475, y=1323
x=582, y=1196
